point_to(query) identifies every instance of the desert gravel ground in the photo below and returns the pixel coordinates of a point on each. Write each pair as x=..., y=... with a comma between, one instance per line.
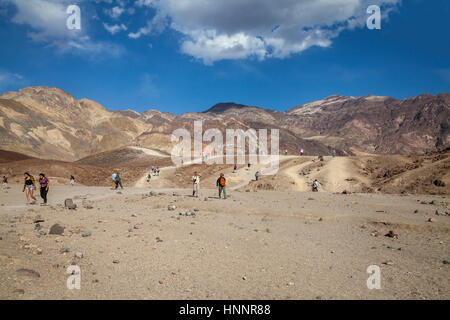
x=254, y=245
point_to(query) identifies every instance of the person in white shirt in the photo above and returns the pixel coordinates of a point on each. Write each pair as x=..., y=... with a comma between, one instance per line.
x=195, y=184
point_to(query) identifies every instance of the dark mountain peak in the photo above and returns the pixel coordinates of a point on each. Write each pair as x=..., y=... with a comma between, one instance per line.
x=225, y=106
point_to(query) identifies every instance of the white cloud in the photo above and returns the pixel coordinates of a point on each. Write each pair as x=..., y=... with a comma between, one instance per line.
x=46, y=17
x=155, y=26
x=47, y=22
x=237, y=29
x=115, y=28
x=115, y=12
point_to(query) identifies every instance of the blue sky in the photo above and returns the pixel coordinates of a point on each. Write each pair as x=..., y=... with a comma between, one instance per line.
x=179, y=56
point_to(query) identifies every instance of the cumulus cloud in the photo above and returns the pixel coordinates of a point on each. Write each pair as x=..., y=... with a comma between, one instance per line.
x=47, y=18
x=236, y=29
x=47, y=22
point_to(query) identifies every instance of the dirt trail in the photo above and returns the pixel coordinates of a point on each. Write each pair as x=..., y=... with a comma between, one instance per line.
x=333, y=176
x=235, y=179
x=245, y=175
x=301, y=184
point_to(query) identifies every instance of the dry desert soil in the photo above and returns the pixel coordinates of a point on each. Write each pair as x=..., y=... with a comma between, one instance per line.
x=271, y=239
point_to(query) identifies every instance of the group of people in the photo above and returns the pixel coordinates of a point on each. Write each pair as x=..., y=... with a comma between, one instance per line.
x=154, y=171
x=220, y=184
x=29, y=187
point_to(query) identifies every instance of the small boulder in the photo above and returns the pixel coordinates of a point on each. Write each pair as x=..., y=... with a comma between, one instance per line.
x=56, y=229
x=85, y=234
x=88, y=204
x=68, y=203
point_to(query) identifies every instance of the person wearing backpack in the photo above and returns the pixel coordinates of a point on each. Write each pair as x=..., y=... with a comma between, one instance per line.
x=257, y=175
x=118, y=181
x=221, y=183
x=114, y=183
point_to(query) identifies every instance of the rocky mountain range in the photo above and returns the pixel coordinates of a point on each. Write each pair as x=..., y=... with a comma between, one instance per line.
x=49, y=123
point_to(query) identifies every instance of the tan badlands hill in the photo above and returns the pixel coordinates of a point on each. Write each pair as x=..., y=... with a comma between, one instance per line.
x=49, y=123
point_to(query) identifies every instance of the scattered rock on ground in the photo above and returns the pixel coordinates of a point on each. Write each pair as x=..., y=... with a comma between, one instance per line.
x=56, y=229
x=391, y=234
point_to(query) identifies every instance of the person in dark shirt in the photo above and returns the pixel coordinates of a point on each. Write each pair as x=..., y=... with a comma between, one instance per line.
x=44, y=184
x=5, y=182
x=221, y=184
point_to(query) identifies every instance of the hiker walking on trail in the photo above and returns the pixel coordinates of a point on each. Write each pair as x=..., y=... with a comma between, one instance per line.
x=29, y=186
x=5, y=183
x=44, y=183
x=221, y=183
x=257, y=175
x=334, y=153
x=113, y=177
x=235, y=167
x=195, y=184
x=118, y=181
x=149, y=178
x=315, y=186
x=72, y=180
x=302, y=152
